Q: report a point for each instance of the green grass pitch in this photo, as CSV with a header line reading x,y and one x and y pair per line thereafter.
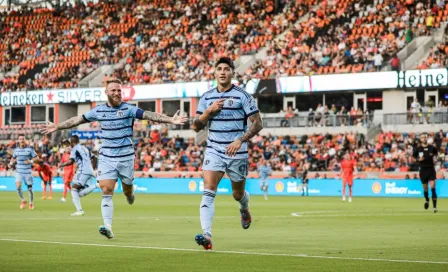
x,y
157,234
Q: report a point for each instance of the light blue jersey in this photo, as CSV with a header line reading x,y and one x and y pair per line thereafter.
x,y
264,171
117,129
231,122
21,155
81,155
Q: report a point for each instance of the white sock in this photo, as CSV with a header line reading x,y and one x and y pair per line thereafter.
x,y
86,191
266,193
75,198
20,193
244,202
207,210
107,209
30,191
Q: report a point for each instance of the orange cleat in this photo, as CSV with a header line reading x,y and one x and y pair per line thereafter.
x,y
23,204
204,240
31,207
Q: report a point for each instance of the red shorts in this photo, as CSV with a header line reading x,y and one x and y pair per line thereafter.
x,y
347,181
68,178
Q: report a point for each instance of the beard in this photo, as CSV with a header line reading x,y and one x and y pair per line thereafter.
x,y
114,102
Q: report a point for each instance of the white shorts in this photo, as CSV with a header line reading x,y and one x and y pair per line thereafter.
x,y
83,180
116,169
25,178
236,169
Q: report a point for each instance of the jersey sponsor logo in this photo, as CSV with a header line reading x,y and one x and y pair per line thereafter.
x,y
192,186
279,187
376,187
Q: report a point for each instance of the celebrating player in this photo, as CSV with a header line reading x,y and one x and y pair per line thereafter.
x,y
84,180
264,171
425,154
225,109
69,170
347,170
116,158
46,174
24,156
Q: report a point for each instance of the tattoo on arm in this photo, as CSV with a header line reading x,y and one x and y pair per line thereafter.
x,y
256,126
72,122
156,117
198,125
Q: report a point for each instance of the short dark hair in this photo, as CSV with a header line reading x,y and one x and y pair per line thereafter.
x,y
18,136
75,138
227,61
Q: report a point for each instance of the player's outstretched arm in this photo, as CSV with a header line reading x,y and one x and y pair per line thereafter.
x,y
67,163
254,128
162,118
70,123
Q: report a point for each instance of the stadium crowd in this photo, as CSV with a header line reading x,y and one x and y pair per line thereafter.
x,y
157,41
390,152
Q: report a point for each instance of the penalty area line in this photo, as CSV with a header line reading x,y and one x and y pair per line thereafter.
x,y
225,252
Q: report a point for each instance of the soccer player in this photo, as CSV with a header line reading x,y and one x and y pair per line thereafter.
x,y
305,179
69,171
348,167
46,174
24,156
116,156
425,154
225,109
264,171
84,180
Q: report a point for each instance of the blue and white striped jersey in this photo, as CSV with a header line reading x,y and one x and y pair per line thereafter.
x,y
82,157
21,155
117,126
231,122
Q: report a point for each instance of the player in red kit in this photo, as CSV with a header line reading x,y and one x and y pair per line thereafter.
x,y
69,171
46,174
348,167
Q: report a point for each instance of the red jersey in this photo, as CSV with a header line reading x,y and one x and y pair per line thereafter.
x,y
347,167
68,170
45,171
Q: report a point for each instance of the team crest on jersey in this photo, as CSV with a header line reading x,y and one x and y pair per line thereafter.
x,y
210,103
230,102
120,113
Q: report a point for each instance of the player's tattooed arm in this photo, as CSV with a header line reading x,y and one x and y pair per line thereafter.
x,y
200,122
257,126
70,123
162,118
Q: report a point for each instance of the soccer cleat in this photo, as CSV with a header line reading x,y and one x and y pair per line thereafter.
x,y
350,199
435,210
426,205
43,198
265,198
62,200
50,198
23,204
31,207
106,231
343,198
78,213
246,219
204,240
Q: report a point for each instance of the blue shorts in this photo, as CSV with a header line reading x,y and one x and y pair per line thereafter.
x,y
25,178
236,169
116,169
264,182
83,180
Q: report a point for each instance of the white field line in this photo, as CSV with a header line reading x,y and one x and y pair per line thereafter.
x,y
226,252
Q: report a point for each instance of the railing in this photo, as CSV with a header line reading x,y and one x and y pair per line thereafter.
x,y
415,118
